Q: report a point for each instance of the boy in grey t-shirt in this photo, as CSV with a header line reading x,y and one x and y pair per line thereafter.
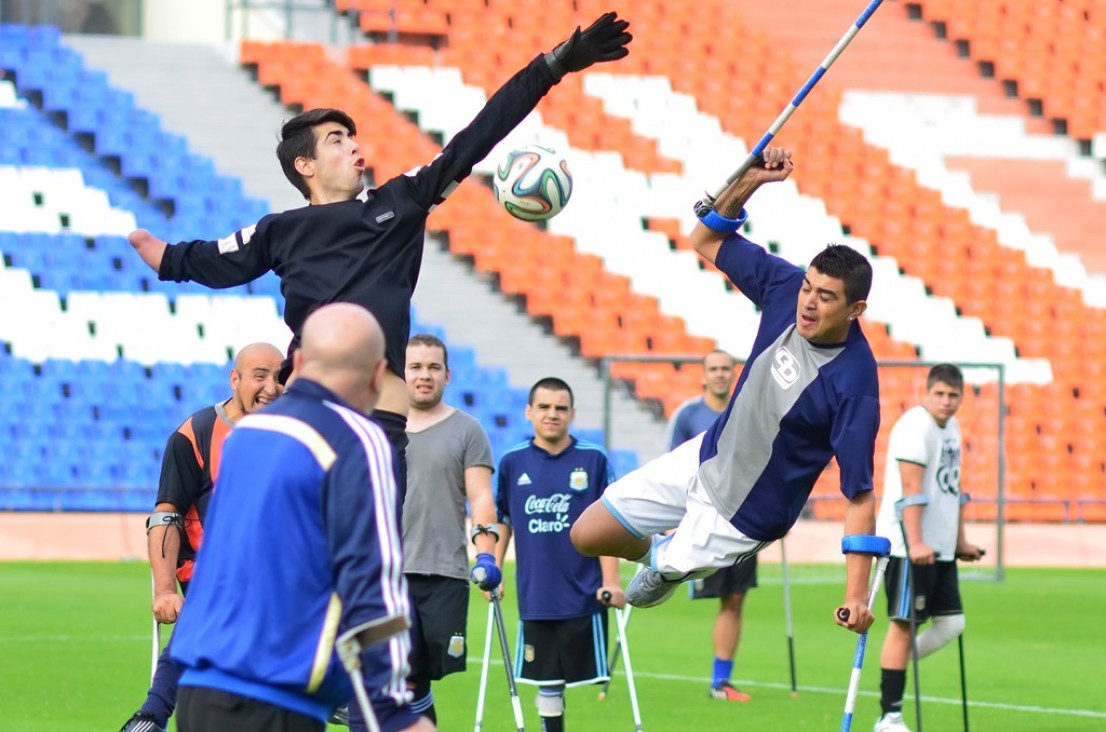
x,y
449,463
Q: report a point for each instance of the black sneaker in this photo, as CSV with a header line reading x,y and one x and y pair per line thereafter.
x,y
340,717
141,722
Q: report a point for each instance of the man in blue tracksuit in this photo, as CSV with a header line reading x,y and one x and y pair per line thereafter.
x,y
257,634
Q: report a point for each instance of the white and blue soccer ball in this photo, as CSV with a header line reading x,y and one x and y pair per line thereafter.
x,y
533,183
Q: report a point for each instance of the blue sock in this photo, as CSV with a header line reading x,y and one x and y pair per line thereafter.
x,y
722,671
162,697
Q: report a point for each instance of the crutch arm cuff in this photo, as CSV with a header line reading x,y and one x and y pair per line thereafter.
x,y
866,544
918,499
484,529
373,632
164,518
717,222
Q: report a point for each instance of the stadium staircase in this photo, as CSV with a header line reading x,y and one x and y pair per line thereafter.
x,y
211,102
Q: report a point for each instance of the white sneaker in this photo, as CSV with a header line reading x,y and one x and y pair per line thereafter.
x,y
891,722
649,588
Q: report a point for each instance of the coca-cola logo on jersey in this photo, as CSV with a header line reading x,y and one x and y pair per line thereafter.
x,y
556,503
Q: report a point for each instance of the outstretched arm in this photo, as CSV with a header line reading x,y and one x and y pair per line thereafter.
x,y
233,260
149,247
605,40
730,205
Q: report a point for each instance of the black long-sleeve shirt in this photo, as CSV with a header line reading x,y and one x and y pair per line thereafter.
x,y
365,252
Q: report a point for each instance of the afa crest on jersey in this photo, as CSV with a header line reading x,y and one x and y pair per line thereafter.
x,y
578,480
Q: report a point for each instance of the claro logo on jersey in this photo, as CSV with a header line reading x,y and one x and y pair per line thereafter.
x,y
547,515
785,368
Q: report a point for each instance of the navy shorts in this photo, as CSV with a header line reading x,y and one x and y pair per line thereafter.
x,y
936,590
572,652
734,580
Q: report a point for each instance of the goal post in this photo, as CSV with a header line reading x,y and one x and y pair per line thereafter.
x,y
666,381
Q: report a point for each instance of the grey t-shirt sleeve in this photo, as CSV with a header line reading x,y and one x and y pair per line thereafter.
x,y
478,450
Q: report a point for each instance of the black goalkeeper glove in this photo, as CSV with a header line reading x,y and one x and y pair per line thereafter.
x,y
604,40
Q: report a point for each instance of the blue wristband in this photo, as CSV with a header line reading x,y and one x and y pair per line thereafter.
x,y
717,222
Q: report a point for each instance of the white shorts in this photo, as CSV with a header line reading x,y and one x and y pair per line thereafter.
x,y
667,493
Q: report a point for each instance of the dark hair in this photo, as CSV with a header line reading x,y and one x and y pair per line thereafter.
x,y
553,384
426,339
297,140
849,266
945,373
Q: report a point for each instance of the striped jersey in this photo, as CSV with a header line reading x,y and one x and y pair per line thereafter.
x,y
367,251
189,469
797,404
541,495
301,546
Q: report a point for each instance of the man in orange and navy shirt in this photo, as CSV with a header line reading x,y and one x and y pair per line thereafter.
x,y
174,531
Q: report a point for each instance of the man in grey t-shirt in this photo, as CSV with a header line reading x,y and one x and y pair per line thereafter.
x,y
449,462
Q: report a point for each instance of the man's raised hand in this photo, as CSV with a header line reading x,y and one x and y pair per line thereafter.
x,y
604,40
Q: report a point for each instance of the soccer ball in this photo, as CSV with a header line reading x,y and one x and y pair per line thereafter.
x,y
533,183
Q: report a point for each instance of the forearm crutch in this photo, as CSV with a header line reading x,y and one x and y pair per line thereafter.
x,y
155,637
349,651
620,623
484,669
918,499
879,547
787,620
516,703
614,657
758,149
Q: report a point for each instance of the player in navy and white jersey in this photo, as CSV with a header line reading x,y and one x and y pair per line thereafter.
x,y
257,635
544,485
342,249
808,392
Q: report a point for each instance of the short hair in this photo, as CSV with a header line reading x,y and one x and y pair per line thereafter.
x,y
426,339
297,140
945,373
847,265
717,352
553,384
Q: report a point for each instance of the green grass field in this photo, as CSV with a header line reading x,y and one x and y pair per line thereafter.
x,y
74,655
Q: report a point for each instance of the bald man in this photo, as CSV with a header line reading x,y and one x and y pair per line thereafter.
x,y
189,467
314,474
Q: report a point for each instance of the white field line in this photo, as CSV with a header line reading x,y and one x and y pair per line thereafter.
x,y
476,660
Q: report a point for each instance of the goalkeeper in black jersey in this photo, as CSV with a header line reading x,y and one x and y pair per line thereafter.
x,y
341,248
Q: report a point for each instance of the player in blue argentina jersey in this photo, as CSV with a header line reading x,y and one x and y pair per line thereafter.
x,y
808,392
257,634
544,485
